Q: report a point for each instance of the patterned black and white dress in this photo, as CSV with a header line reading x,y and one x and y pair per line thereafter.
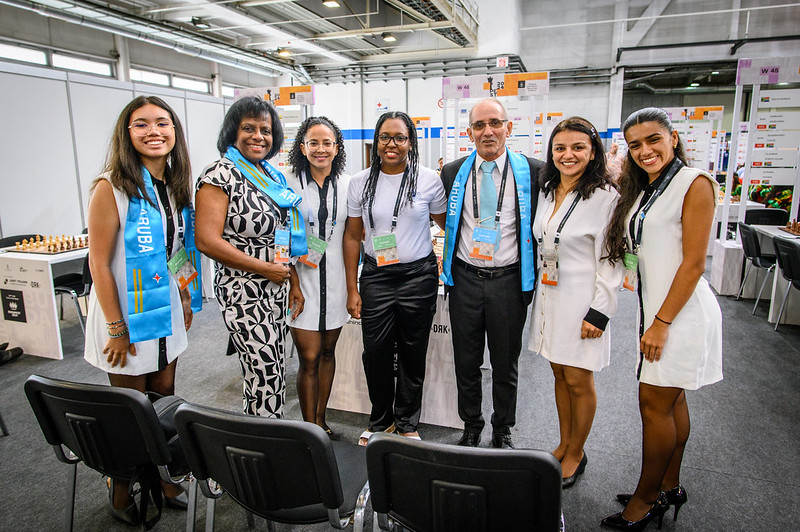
x,y
253,307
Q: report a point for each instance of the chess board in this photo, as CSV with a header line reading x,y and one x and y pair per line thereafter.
x,y
50,244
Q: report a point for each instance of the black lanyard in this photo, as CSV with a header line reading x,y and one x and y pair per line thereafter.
x,y
161,189
475,212
396,204
641,213
335,208
563,221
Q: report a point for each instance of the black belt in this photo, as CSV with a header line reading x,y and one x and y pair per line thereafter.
x,y
487,273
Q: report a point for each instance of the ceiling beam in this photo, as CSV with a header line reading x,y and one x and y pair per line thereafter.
x,y
376,31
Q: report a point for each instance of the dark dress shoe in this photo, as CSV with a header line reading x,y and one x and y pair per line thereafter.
x,y
129,515
10,355
501,440
569,481
469,438
179,502
3,346
675,497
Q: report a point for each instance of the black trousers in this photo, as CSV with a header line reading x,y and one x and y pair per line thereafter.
x,y
397,307
486,304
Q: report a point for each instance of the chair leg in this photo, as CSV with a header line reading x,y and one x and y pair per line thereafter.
x,y
763,283
191,511
72,477
361,506
741,287
210,510
3,427
81,319
783,306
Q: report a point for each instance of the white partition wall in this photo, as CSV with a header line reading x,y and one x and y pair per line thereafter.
x,y
57,129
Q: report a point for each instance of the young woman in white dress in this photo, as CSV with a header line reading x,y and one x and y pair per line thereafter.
x,y
317,159
577,291
660,229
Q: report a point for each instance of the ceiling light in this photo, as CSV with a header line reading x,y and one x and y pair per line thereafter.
x,y
199,23
330,3
694,85
388,37
284,52
715,73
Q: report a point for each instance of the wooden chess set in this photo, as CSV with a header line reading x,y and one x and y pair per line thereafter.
x,y
51,244
793,228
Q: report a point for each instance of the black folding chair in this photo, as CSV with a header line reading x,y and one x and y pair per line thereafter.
x,y
434,487
75,285
284,471
754,257
788,254
112,430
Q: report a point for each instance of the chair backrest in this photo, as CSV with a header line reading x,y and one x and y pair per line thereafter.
x,y
430,486
87,276
766,216
788,254
112,430
8,241
750,243
264,464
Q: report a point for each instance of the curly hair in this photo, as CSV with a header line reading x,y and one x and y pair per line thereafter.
x,y
634,179
124,166
299,162
371,183
594,176
249,107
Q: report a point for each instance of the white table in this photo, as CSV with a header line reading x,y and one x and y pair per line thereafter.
x,y
29,316
792,313
439,394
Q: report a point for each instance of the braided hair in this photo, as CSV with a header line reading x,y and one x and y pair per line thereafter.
x,y
410,187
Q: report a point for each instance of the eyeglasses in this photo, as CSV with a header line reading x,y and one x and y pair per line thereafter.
x,y
326,145
399,140
494,123
140,129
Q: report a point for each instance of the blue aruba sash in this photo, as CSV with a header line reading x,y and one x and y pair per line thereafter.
x,y
522,180
196,286
275,187
149,310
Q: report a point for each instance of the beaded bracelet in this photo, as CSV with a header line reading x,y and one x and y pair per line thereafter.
x,y
119,334
111,323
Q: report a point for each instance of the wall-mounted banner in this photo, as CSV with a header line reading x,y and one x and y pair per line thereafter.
x,y
768,70
295,95
494,85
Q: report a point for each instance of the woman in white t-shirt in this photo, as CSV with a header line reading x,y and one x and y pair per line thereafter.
x,y
389,206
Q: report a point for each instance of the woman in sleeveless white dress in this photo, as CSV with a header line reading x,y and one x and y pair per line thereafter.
x,y
661,227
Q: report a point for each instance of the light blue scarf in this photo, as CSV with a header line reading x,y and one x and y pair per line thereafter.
x,y
149,302
275,187
522,180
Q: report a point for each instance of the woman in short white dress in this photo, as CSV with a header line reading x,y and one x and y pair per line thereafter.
x,y
661,228
577,293
146,184
317,159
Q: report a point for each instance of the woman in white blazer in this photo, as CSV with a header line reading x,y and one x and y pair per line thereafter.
x,y
577,290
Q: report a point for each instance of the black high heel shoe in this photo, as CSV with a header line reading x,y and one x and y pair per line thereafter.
x,y
569,481
676,497
129,515
657,511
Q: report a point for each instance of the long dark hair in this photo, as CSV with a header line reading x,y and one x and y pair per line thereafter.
x,y
633,179
596,173
249,107
299,162
410,187
124,167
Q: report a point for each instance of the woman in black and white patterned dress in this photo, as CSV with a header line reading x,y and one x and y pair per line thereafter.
x,y
236,226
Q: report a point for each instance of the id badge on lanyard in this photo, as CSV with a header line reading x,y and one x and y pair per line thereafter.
x,y
282,246
483,243
631,279
316,249
550,266
181,268
385,249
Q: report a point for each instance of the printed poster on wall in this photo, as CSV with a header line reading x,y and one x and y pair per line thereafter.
x,y
293,95
496,85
